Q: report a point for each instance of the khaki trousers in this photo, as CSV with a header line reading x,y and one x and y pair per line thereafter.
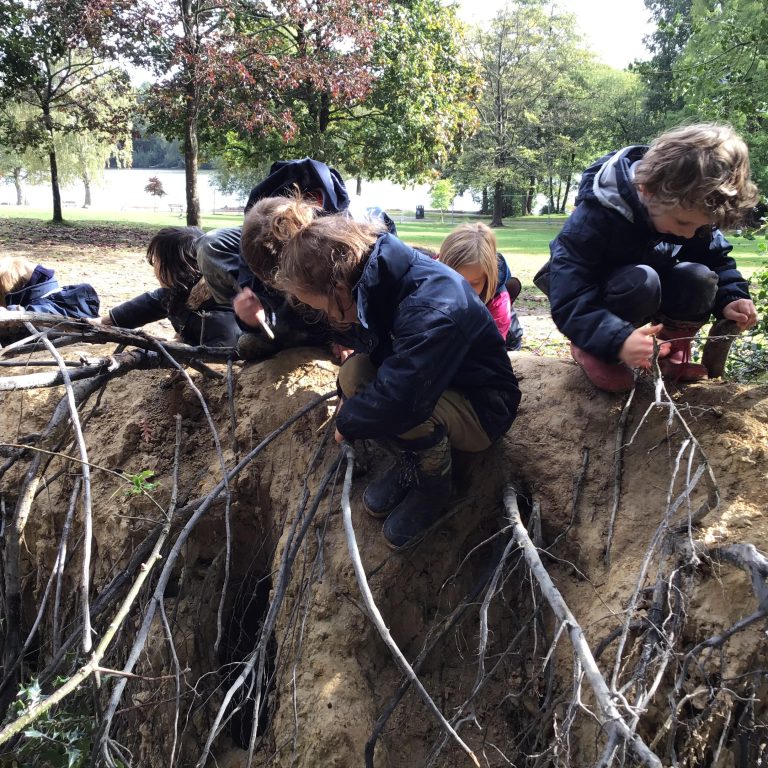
x,y
453,411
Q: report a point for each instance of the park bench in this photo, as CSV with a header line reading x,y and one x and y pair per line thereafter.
x,y
176,208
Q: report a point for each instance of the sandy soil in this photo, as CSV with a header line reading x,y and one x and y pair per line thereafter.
x,y
332,673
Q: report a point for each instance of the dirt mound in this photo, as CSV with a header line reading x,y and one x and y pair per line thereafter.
x,y
253,615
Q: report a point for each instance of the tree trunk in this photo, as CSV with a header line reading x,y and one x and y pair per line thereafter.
x,y
57,217
498,204
359,186
484,202
17,184
87,186
190,165
529,195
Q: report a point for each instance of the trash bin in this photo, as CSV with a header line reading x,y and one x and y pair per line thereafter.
x,y
419,211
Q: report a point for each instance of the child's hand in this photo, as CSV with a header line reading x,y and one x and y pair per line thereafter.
x,y
248,308
637,349
742,312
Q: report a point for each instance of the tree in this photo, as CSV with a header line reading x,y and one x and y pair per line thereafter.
x,y
18,165
521,57
442,194
53,51
722,73
393,102
154,187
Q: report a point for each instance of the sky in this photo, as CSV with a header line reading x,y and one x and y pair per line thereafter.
x,y
613,29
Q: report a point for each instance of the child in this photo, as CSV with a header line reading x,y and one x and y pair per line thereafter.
x,y
436,374
32,287
203,321
643,245
471,250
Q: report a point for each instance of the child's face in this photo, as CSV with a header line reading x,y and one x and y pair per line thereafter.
x,y
338,307
475,276
678,221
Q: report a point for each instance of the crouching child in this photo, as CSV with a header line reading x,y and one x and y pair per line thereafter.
x,y
435,374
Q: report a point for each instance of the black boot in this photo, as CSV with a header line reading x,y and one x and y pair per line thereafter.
x,y
721,336
426,501
386,492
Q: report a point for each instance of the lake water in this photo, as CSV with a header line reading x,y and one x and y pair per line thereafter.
x,y
123,189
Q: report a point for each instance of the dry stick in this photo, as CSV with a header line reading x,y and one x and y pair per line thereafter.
x,y
231,408
87,509
374,613
618,465
611,717
170,560
257,658
15,531
176,664
228,503
32,713
59,565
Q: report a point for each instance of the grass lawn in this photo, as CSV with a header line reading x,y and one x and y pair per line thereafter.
x,y
524,241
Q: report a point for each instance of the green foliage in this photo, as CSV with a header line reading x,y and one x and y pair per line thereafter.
x,y
442,194
60,738
140,483
748,360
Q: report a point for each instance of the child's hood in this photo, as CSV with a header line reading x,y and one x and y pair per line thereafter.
x,y
609,181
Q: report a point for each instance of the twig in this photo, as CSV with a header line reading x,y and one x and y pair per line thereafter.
x,y
611,717
374,613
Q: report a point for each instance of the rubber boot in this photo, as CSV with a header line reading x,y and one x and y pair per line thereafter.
x,y
610,377
677,364
718,345
386,492
427,499
255,346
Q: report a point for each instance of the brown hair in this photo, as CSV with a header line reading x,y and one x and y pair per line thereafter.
x,y
14,272
171,252
267,226
325,253
471,244
703,167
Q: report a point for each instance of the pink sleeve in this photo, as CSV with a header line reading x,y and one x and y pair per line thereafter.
x,y
499,307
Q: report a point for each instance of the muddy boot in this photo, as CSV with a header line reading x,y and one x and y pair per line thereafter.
x,y
426,501
677,364
610,377
718,345
386,492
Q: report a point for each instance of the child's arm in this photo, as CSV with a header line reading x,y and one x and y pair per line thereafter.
x,y
743,312
500,308
140,310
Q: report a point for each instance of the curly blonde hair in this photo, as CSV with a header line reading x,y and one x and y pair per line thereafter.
x,y
268,226
471,244
704,167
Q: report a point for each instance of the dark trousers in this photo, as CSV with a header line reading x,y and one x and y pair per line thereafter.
x,y
637,293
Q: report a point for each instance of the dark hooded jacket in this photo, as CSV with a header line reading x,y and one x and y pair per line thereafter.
x,y
429,332
610,228
41,293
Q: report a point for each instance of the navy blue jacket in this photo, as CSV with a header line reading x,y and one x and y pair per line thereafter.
x,y
429,332
609,228
211,325
41,293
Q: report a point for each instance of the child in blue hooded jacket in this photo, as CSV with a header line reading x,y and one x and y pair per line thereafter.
x,y
434,374
641,256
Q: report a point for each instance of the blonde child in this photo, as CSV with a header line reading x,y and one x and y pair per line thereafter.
x,y
471,250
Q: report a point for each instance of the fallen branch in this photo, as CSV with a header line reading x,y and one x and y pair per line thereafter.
x,y
611,717
374,613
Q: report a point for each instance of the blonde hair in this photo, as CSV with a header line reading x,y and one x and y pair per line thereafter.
x,y
702,167
326,252
471,244
14,272
267,227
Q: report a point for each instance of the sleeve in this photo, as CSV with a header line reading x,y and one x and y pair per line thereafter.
x,y
579,265
500,308
218,256
143,309
429,347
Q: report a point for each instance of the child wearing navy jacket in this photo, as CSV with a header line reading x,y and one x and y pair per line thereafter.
x,y
642,256
435,373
